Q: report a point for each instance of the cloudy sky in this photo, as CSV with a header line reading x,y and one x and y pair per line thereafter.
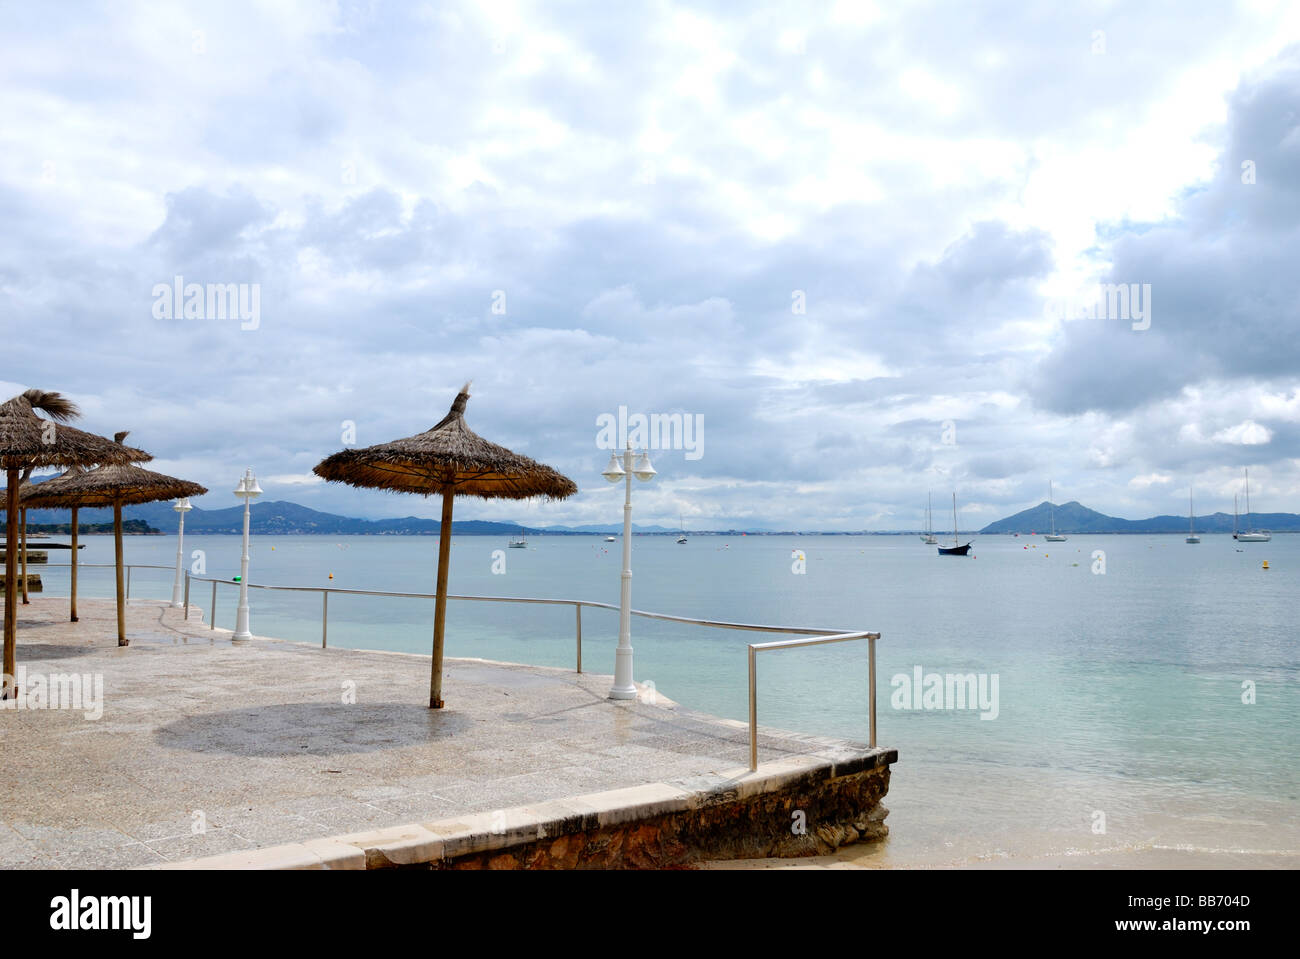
x,y
848,236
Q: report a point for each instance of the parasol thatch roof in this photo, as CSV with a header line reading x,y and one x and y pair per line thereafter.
x,y
123,483
26,488
28,441
450,455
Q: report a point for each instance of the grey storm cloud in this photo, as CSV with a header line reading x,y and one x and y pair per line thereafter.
x,y
820,230
1224,285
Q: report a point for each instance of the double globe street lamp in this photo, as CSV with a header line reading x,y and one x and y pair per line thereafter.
x,y
247,490
182,507
623,687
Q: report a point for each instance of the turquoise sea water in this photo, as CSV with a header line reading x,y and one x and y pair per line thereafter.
x,y
1119,693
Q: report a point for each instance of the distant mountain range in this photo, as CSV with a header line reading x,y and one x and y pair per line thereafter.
x,y
1074,517
291,519
283,518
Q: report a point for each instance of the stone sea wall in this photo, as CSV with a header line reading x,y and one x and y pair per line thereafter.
x,y
812,813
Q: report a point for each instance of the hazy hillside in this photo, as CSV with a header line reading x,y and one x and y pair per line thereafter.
x,y
291,519
1074,517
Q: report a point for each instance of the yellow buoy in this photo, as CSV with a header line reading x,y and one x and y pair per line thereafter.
x,y
1266,564
331,575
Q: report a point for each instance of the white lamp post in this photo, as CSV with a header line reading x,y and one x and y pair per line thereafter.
x,y
247,490
182,507
623,687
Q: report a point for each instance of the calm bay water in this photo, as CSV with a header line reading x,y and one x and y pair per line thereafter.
x,y
1119,693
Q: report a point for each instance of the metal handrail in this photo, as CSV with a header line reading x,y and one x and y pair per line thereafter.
x,y
755,648
326,590
819,636
579,603
126,566
722,624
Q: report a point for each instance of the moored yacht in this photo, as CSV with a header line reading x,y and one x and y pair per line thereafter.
x,y
954,549
1251,535
1053,536
1191,520
928,536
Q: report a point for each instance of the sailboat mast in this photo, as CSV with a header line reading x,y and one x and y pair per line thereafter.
x,y
1248,524
1191,513
955,541
1051,505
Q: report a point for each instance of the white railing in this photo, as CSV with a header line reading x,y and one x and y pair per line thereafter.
x,y
818,636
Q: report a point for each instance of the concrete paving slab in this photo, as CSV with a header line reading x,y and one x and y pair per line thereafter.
x,y
278,743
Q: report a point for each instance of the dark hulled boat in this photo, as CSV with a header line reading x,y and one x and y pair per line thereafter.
x,y
954,549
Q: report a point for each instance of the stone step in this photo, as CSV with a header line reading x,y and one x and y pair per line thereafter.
x,y
33,582
33,556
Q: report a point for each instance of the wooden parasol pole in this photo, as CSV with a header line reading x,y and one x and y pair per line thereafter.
x,y
440,604
121,592
23,512
11,582
72,609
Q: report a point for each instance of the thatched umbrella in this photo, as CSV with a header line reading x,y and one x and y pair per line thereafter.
x,y
453,460
23,487
113,485
28,442
25,490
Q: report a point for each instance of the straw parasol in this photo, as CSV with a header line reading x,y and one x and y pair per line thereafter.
x,y
28,442
23,487
115,485
453,460
25,490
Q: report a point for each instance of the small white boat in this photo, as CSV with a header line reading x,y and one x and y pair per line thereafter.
x,y
1251,535
928,536
519,543
682,539
1053,536
611,539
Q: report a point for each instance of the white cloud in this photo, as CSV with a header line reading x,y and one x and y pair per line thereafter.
x,y
1248,433
1150,479
294,479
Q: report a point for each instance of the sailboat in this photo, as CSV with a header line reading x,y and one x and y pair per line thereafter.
x,y
928,537
954,549
1251,535
519,543
681,539
1052,537
1191,520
